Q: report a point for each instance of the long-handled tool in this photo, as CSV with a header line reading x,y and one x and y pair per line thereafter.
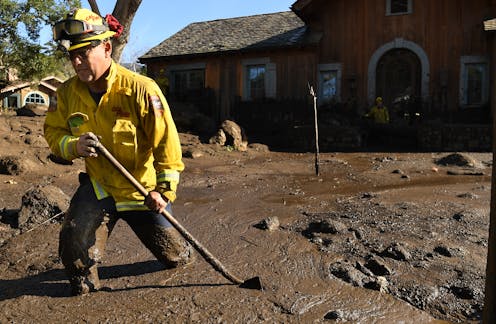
x,y
252,283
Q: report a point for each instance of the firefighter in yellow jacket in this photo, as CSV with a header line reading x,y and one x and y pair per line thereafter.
x,y
379,113
129,115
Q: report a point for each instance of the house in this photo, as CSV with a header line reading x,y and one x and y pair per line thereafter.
x,y
19,93
428,60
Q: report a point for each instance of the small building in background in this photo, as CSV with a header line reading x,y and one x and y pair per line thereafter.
x,y
21,93
429,61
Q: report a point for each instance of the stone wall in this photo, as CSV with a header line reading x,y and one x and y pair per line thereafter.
x,y
454,137
427,137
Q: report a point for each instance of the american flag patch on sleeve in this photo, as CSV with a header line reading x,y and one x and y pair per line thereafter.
x,y
156,103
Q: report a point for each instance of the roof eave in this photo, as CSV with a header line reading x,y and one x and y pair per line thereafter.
x,y
144,60
298,8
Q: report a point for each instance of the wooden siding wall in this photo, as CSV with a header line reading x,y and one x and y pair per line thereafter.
x,y
353,30
295,68
444,29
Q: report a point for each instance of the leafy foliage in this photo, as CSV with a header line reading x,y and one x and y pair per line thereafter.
x,y
21,23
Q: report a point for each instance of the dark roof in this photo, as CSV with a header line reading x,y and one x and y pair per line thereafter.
x,y
280,29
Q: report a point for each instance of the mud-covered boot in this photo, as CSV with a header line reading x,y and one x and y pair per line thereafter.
x,y
81,286
78,286
84,284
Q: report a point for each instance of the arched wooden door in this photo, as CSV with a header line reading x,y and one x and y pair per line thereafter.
x,y
398,74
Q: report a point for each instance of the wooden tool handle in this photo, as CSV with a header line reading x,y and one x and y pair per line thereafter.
x,y
214,262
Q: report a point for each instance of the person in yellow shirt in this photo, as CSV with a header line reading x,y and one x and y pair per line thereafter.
x,y
379,113
129,115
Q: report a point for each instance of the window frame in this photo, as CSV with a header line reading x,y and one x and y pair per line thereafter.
x,y
408,12
39,95
465,61
14,97
259,69
184,68
322,68
269,78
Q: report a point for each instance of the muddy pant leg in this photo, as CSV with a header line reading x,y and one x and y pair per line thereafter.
x,y
158,235
83,236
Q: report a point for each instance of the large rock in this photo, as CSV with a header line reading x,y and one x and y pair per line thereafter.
x,y
458,159
40,204
32,110
15,165
230,134
219,138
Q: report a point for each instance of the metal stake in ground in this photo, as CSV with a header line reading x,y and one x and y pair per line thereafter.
x,y
252,283
312,93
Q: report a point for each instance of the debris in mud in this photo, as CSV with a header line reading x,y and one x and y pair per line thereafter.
x,y
39,204
386,263
443,250
31,110
368,195
16,165
329,226
466,216
348,273
11,165
396,251
465,172
7,230
193,153
259,147
270,224
35,141
334,315
386,159
468,195
378,283
378,266
458,159
463,292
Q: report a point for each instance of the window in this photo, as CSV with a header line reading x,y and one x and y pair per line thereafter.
x,y
259,79
186,82
256,81
398,7
329,82
35,98
474,81
12,101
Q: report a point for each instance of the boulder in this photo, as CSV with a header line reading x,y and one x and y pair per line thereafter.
x,y
31,110
219,138
40,204
235,135
457,159
230,134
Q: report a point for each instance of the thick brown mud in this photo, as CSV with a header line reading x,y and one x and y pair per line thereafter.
x,y
376,238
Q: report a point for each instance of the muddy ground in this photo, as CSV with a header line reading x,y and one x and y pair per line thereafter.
x,y
378,237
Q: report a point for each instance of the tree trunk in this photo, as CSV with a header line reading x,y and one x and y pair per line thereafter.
x,y
124,11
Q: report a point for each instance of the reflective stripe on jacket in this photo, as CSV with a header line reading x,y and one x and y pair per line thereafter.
x,y
134,123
